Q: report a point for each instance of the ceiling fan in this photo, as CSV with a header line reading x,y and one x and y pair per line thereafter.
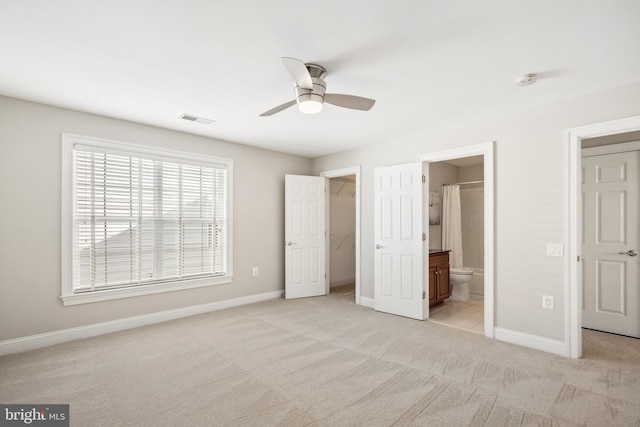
x,y
310,90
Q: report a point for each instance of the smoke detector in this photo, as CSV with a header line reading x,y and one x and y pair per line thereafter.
x,y
526,80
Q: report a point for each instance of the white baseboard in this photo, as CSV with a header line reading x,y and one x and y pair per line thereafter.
x,y
47,339
532,341
367,302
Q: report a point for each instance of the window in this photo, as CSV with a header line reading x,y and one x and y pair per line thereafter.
x,y
138,220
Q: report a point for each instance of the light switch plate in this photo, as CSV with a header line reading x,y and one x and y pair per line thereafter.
x,y
555,249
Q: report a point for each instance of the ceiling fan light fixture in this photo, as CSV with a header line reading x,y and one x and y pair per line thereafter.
x,y
310,106
310,100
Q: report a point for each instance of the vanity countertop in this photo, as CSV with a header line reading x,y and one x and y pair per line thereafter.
x,y
438,251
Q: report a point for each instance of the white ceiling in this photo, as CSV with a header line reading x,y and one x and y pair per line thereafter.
x,y
426,62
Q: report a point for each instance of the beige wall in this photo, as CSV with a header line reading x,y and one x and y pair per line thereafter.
x,y
472,215
30,217
471,173
440,173
530,172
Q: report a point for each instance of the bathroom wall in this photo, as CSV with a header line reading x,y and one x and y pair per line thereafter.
x,y
472,215
440,173
342,231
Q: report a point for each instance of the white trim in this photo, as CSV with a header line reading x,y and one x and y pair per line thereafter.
x,y
354,170
68,296
33,342
532,341
573,226
486,150
134,291
119,146
367,302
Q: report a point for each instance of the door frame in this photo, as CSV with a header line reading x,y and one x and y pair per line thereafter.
x,y
486,150
573,223
336,173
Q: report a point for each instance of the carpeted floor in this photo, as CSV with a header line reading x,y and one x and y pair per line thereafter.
x,y
324,362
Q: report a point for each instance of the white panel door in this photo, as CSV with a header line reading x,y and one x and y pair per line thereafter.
x,y
611,298
398,259
305,274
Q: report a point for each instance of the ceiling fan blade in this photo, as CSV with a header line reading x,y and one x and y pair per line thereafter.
x,y
349,101
299,72
278,108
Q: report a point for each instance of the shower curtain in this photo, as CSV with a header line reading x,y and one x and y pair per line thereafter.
x,y
452,224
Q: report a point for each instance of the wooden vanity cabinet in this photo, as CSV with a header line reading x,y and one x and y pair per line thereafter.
x,y
439,286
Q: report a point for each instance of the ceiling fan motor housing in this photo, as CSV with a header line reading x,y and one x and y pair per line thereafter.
x,y
316,94
311,100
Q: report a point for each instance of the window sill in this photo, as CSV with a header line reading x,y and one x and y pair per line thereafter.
x,y
110,294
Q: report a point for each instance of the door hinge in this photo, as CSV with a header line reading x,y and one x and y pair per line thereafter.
x,y
424,237
424,179
424,295
578,258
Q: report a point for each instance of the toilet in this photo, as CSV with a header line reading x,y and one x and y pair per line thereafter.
x,y
460,278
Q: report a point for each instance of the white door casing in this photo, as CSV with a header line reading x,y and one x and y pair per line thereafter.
x,y
485,150
399,253
574,139
611,294
305,236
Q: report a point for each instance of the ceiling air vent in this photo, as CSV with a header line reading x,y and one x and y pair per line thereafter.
x,y
196,119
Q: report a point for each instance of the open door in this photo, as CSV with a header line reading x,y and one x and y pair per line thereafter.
x,y
305,236
399,252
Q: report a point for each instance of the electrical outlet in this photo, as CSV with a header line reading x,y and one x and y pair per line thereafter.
x,y
255,271
547,302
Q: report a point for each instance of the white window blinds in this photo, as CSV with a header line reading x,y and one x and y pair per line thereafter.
x,y
141,219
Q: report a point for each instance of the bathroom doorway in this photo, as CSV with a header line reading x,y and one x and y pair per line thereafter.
x,y
477,181
464,178
343,233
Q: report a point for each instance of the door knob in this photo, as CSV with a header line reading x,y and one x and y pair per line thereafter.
x,y
289,243
379,246
630,252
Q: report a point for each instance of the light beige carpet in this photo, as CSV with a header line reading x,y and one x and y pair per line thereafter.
x,y
327,362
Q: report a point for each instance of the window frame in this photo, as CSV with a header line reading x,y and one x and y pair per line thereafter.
x,y
68,296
